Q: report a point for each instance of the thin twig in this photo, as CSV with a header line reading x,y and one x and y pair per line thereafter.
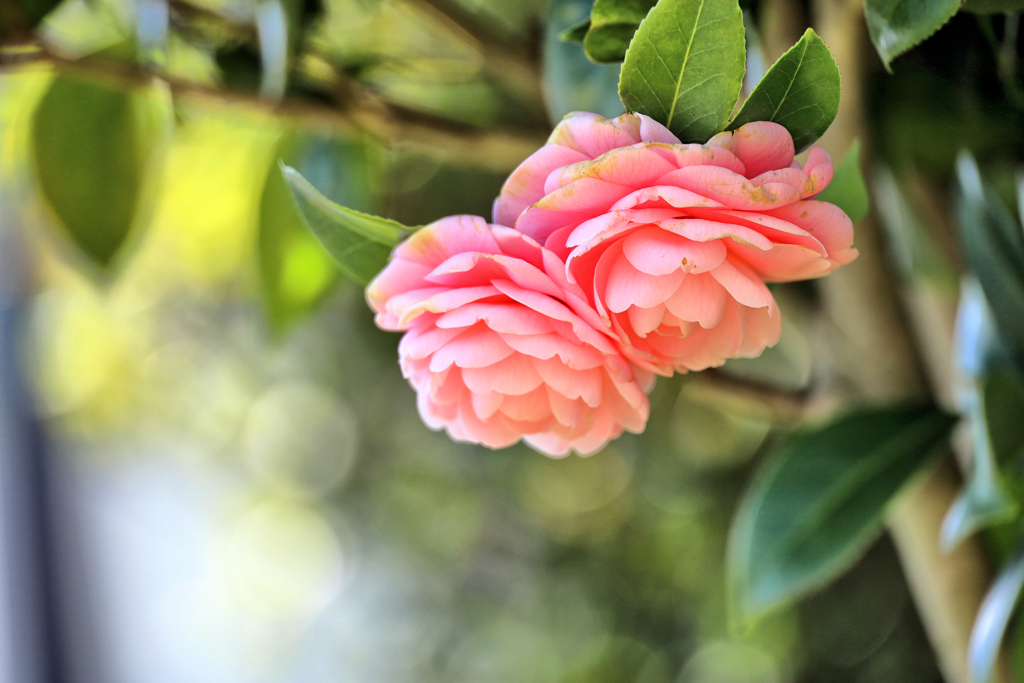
x,y
362,109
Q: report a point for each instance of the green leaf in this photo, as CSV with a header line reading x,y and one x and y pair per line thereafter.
x,y
612,25
997,435
993,618
296,272
359,242
994,246
93,146
685,66
800,91
896,26
575,33
847,189
819,501
571,81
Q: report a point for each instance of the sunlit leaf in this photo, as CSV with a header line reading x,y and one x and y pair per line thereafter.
x,y
685,66
93,144
571,81
800,91
993,618
994,246
296,271
847,189
896,26
359,242
612,25
819,502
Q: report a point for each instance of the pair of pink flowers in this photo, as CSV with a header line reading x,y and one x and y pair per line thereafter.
x,y
630,255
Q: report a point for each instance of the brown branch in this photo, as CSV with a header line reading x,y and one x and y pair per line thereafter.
x,y
498,150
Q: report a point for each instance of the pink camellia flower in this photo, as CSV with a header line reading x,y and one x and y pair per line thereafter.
x,y
500,346
674,243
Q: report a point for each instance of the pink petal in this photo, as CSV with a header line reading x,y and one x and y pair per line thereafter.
x,y
513,318
645,320
488,267
762,146
658,252
477,347
664,196
439,241
652,131
526,184
783,262
585,384
627,287
531,407
635,166
568,411
593,135
827,223
418,344
486,405
703,230
743,284
440,302
512,376
573,203
729,188
699,299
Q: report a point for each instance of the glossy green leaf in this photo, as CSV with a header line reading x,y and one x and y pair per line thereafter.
x,y
994,246
296,272
359,242
572,82
612,25
800,91
847,189
93,145
896,26
575,33
685,66
819,502
993,618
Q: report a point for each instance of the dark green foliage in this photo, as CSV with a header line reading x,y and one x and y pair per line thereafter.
x,y
819,502
685,66
800,91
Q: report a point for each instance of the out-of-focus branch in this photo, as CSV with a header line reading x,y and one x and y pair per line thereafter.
x,y
361,108
882,363
514,67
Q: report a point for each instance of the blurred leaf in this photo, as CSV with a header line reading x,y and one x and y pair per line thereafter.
x,y
152,18
359,242
993,6
612,25
571,81
92,145
997,434
994,248
800,91
847,189
818,503
685,66
993,618
896,26
575,33
296,271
